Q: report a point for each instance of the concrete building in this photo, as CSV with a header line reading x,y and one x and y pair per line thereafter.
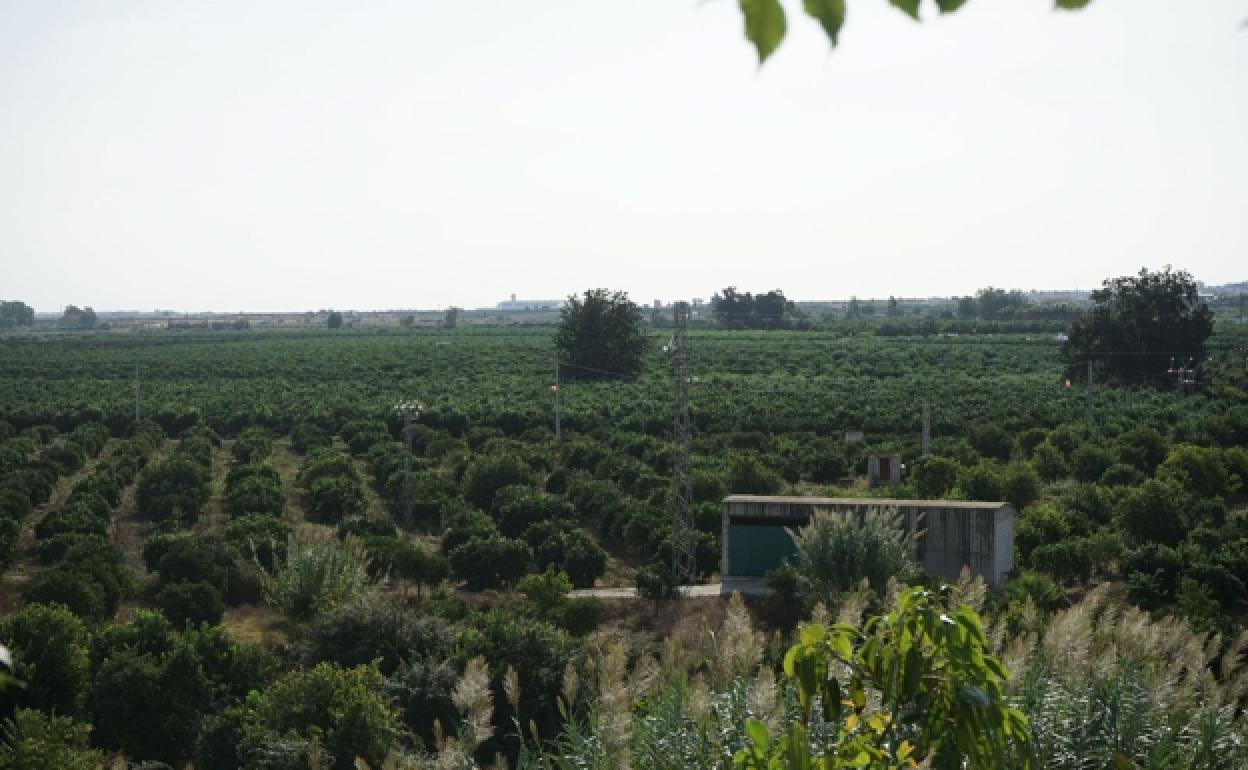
x,y
952,533
884,470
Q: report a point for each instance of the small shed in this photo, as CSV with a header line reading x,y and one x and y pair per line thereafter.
x,y
884,470
953,533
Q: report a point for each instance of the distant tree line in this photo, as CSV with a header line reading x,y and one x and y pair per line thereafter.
x,y
76,317
734,310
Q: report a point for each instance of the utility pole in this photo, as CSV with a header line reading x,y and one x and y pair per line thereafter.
x,y
1090,404
137,389
683,549
927,428
558,406
409,410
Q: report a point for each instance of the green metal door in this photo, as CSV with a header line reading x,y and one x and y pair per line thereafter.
x,y
753,549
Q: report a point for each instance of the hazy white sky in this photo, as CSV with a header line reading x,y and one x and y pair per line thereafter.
x,y
305,154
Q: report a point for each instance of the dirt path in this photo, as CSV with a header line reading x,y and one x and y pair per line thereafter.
x,y
129,531
214,517
25,564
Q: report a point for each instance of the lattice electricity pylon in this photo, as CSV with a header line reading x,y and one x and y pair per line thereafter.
x,y
409,410
683,549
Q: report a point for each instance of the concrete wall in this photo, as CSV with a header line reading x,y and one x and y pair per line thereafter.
x,y
952,534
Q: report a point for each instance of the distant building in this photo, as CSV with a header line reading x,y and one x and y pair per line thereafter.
x,y
514,304
951,534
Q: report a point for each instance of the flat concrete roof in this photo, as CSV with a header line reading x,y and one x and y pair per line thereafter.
x,y
880,501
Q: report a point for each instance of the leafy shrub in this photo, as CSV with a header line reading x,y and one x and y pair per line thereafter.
x,y
1154,513
655,582
84,598
1049,461
1067,561
1039,525
263,537
318,573
150,707
837,551
489,473
174,490
467,525
158,545
66,457
191,602
1090,461
569,550
254,494
935,476
362,527
1038,587
330,498
748,475
325,463
580,617
252,446
516,508
345,708
197,559
407,560
1121,475
361,435
49,648
375,628
1201,471
73,519
305,436
422,690
90,580
1142,447
490,562
991,441
825,465
1020,484
31,740
14,505
981,481
54,548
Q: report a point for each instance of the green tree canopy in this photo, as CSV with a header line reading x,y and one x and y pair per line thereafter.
x,y
1138,324
14,313
75,317
600,334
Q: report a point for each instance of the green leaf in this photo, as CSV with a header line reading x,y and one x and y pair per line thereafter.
x,y
812,633
911,7
757,732
764,25
829,13
949,6
1073,5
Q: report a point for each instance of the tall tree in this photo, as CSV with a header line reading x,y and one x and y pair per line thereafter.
x,y
600,334
75,317
1137,323
14,313
334,321
451,319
